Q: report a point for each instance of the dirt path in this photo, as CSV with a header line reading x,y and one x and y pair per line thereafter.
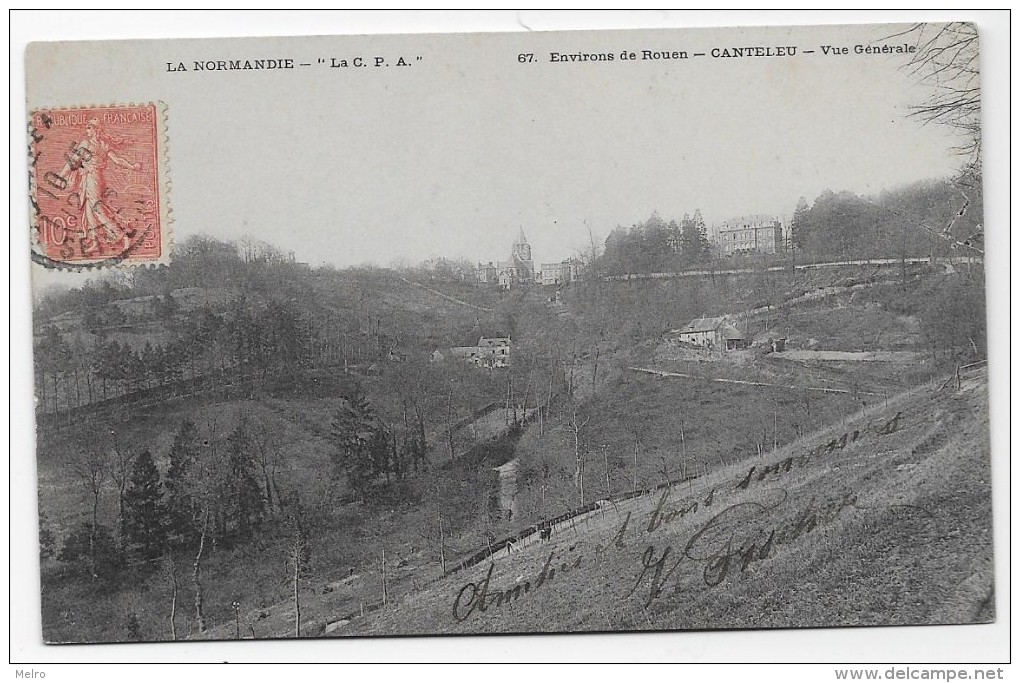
x,y
862,356
447,296
827,390
945,262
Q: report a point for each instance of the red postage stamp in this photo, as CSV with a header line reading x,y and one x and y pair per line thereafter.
x,y
97,184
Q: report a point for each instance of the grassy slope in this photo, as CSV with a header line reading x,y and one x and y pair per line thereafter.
x,y
300,423
722,424
914,546
420,320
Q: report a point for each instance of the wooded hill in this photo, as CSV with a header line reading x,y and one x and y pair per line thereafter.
x,y
236,424
929,218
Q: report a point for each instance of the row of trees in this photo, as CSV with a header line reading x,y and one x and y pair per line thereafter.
x,y
260,339
441,269
365,447
656,245
247,265
216,490
80,374
92,546
225,488
928,218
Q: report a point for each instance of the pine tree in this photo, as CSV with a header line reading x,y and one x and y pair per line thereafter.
x,y
352,432
246,504
690,241
675,240
699,225
180,502
145,523
800,226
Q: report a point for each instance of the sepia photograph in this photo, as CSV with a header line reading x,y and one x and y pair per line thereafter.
x,y
490,333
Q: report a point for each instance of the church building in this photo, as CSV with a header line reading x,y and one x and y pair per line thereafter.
x,y
519,269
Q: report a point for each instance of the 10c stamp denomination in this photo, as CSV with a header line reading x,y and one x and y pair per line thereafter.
x,y
98,195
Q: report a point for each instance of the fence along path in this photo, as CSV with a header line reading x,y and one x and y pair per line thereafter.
x,y
828,390
560,522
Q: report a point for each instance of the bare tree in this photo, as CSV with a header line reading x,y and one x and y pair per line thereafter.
x,y
171,570
120,471
415,382
299,553
576,427
450,422
664,469
946,60
196,575
92,468
265,456
442,540
433,533
205,478
605,463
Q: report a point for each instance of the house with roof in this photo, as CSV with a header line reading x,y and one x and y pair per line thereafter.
x,y
712,333
494,352
491,352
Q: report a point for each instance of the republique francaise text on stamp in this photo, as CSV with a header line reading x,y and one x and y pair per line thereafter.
x,y
97,186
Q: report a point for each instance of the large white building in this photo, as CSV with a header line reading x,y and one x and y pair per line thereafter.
x,y
561,273
750,234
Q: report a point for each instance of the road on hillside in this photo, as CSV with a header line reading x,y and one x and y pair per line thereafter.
x,y
446,296
827,390
944,261
852,356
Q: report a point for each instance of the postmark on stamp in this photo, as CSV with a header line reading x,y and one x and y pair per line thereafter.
x,y
98,189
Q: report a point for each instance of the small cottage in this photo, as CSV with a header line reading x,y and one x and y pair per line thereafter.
x,y
491,352
712,333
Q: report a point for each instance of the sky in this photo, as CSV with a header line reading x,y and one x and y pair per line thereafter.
x,y
453,154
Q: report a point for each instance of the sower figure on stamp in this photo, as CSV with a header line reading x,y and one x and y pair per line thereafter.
x,y
87,162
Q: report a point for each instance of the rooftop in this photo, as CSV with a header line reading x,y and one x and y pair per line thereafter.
x,y
703,325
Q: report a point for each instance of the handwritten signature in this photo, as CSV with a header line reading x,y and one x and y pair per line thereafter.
x,y
729,543
734,539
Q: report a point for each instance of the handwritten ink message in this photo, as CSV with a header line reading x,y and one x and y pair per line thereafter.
x,y
735,538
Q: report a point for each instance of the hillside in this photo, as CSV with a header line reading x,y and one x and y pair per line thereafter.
x,y
883,519
344,325
269,364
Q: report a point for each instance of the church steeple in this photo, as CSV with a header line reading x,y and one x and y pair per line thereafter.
x,y
521,249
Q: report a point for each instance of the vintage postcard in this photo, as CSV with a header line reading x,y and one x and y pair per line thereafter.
x,y
554,332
